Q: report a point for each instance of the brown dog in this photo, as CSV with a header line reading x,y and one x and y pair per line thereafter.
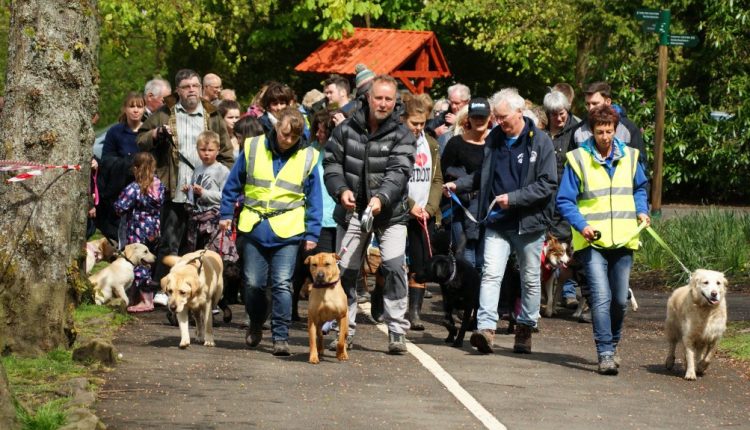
x,y
194,283
327,302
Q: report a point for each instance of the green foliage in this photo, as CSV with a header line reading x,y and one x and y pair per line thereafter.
x,y
714,239
49,416
736,341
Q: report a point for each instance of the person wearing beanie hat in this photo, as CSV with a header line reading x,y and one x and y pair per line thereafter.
x,y
363,78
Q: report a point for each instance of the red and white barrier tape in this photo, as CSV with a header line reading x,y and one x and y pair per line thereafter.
x,y
31,169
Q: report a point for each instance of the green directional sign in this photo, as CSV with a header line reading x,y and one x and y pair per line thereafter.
x,y
688,40
647,14
650,26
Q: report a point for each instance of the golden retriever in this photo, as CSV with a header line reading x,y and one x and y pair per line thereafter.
x,y
99,250
194,283
327,301
118,276
697,318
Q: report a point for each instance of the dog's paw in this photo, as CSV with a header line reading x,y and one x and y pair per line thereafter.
x,y
209,343
184,344
690,376
344,356
314,359
457,344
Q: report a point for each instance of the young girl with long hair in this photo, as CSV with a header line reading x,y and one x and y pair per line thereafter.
x,y
139,207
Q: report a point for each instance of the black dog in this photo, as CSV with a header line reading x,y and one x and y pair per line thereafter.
x,y
459,283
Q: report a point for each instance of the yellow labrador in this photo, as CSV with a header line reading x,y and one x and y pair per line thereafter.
x,y
115,278
697,318
194,283
99,250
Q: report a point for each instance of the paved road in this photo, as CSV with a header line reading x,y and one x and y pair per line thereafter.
x,y
231,387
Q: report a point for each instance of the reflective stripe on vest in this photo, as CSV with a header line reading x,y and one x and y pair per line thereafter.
x,y
606,203
279,198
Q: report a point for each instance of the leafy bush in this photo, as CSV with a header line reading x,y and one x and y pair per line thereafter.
x,y
715,239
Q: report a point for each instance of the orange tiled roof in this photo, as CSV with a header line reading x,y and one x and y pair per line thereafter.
x,y
401,53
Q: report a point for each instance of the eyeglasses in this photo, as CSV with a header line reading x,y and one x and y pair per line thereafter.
x,y
188,86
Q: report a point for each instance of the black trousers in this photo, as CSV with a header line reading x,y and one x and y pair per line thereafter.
x,y
419,249
174,221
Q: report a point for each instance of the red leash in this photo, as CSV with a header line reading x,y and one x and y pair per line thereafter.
x,y
423,223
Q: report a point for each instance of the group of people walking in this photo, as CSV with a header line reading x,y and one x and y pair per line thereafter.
x,y
338,173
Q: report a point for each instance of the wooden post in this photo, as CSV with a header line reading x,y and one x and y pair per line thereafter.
x,y
661,89
661,95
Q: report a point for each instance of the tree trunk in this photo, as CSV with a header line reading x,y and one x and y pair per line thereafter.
x,y
7,411
51,95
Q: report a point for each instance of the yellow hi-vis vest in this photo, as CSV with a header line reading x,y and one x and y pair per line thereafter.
x,y
280,199
606,203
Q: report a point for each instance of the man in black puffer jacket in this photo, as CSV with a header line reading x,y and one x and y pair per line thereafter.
x,y
368,161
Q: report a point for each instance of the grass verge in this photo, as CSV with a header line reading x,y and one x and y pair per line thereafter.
x,y
736,341
39,384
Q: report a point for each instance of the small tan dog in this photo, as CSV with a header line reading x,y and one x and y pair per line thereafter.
x,y
194,283
115,278
99,250
697,318
327,302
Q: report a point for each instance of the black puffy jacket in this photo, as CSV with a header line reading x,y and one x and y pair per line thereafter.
x,y
385,158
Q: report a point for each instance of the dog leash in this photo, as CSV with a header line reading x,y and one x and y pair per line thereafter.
x,y
423,223
656,238
664,245
491,214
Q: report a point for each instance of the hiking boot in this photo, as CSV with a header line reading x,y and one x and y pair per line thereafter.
x,y
281,348
254,334
522,342
396,343
571,303
335,342
482,340
416,296
607,365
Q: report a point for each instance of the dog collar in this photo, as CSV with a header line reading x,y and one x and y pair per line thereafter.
x,y
121,254
326,284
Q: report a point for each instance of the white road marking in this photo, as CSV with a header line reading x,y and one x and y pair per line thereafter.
x,y
429,363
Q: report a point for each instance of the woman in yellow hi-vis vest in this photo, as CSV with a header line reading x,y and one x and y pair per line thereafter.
x,y
602,195
276,175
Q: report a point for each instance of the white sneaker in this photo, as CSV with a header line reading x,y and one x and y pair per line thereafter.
x,y
215,311
161,299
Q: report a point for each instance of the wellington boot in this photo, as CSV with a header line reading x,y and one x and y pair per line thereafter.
x,y
416,297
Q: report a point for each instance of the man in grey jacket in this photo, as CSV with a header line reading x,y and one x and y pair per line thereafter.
x,y
516,184
368,161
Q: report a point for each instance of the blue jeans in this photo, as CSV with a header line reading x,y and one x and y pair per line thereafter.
x,y
608,273
257,264
497,249
569,289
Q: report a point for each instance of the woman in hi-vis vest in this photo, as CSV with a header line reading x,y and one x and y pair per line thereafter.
x,y
277,175
602,195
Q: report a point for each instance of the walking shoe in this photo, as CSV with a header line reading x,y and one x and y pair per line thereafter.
x,y
585,317
482,340
607,365
427,294
522,342
571,303
396,343
335,342
254,334
161,299
281,348
617,358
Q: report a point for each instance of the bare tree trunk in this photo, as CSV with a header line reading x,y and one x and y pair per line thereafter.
x,y
51,95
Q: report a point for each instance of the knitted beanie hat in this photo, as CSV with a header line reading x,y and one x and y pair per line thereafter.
x,y
364,75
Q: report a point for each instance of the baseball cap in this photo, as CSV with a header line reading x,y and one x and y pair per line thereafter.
x,y
479,106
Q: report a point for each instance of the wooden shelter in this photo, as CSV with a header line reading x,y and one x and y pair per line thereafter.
x,y
414,57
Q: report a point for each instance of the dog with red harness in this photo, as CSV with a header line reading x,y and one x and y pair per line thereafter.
x,y
556,258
